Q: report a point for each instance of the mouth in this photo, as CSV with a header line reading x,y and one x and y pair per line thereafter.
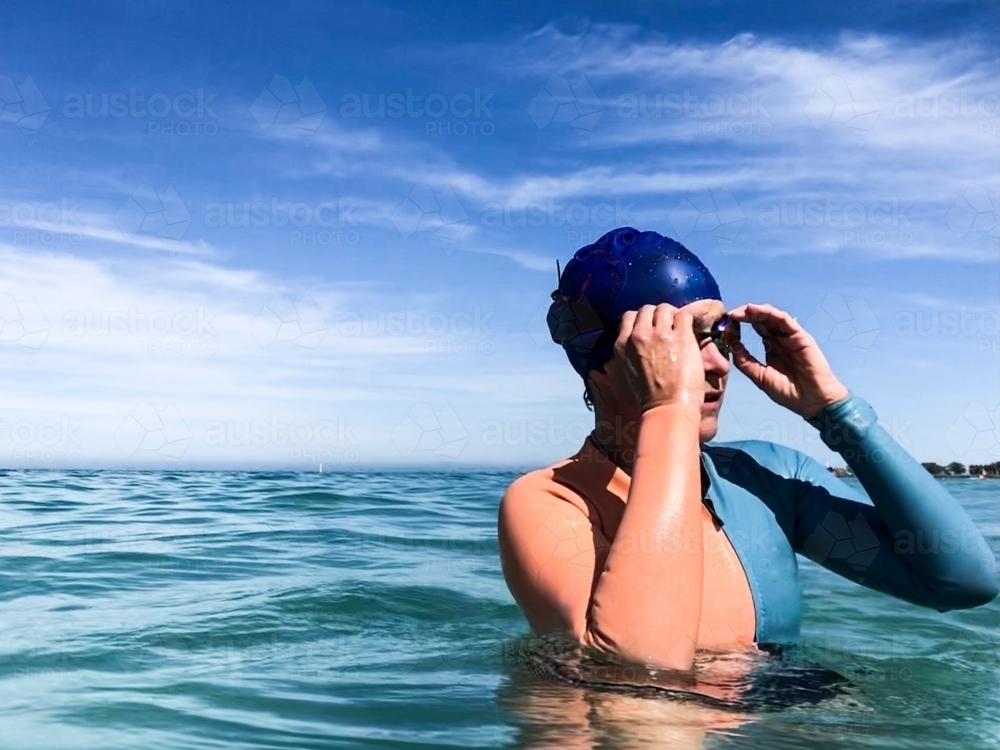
x,y
713,397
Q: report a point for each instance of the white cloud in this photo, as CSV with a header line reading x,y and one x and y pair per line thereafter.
x,y
925,154
177,337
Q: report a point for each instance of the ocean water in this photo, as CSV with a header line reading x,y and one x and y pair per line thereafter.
x,y
264,610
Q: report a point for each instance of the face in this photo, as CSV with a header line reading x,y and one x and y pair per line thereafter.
x,y
705,313
716,366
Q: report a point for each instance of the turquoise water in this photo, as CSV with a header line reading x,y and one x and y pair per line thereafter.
x,y
208,610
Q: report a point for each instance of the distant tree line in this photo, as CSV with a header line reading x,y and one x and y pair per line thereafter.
x,y
990,470
955,469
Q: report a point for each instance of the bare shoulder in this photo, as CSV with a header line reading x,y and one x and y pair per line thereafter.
x,y
535,492
527,491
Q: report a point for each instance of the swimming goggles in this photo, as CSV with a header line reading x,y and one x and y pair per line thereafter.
x,y
724,333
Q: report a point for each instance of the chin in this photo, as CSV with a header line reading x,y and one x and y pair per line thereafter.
x,y
708,429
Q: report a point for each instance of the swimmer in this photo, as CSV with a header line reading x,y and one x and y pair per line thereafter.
x,y
652,542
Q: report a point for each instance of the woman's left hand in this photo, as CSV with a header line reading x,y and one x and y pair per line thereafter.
x,y
795,373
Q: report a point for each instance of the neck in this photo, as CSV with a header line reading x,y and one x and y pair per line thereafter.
x,y
617,435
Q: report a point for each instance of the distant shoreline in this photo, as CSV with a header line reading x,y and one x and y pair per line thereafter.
x,y
845,473
966,476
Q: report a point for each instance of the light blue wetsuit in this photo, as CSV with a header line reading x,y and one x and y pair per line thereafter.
x,y
911,539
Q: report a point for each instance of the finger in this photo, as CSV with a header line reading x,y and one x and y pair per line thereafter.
x,y
788,323
768,328
663,316
762,329
739,314
683,322
749,313
625,329
776,321
775,340
748,364
644,320
788,342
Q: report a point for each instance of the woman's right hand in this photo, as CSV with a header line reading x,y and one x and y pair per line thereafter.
x,y
660,356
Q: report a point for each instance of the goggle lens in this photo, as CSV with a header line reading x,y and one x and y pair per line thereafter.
x,y
725,332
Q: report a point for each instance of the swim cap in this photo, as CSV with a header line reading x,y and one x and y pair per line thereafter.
x,y
622,271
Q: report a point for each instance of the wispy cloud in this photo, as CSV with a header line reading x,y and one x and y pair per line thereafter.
x,y
866,121
798,170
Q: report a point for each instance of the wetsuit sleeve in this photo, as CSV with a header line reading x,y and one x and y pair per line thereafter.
x,y
914,541
638,597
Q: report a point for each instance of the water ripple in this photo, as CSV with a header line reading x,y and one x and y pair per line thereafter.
x,y
279,610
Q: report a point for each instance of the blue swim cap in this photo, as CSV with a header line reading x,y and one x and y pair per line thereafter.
x,y
622,271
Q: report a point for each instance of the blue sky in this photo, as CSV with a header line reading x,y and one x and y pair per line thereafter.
x,y
256,237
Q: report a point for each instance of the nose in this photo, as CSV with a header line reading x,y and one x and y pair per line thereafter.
x,y
713,361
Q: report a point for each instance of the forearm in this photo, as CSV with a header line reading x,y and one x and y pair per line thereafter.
x,y
930,530
647,604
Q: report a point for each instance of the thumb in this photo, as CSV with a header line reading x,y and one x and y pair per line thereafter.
x,y
748,364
